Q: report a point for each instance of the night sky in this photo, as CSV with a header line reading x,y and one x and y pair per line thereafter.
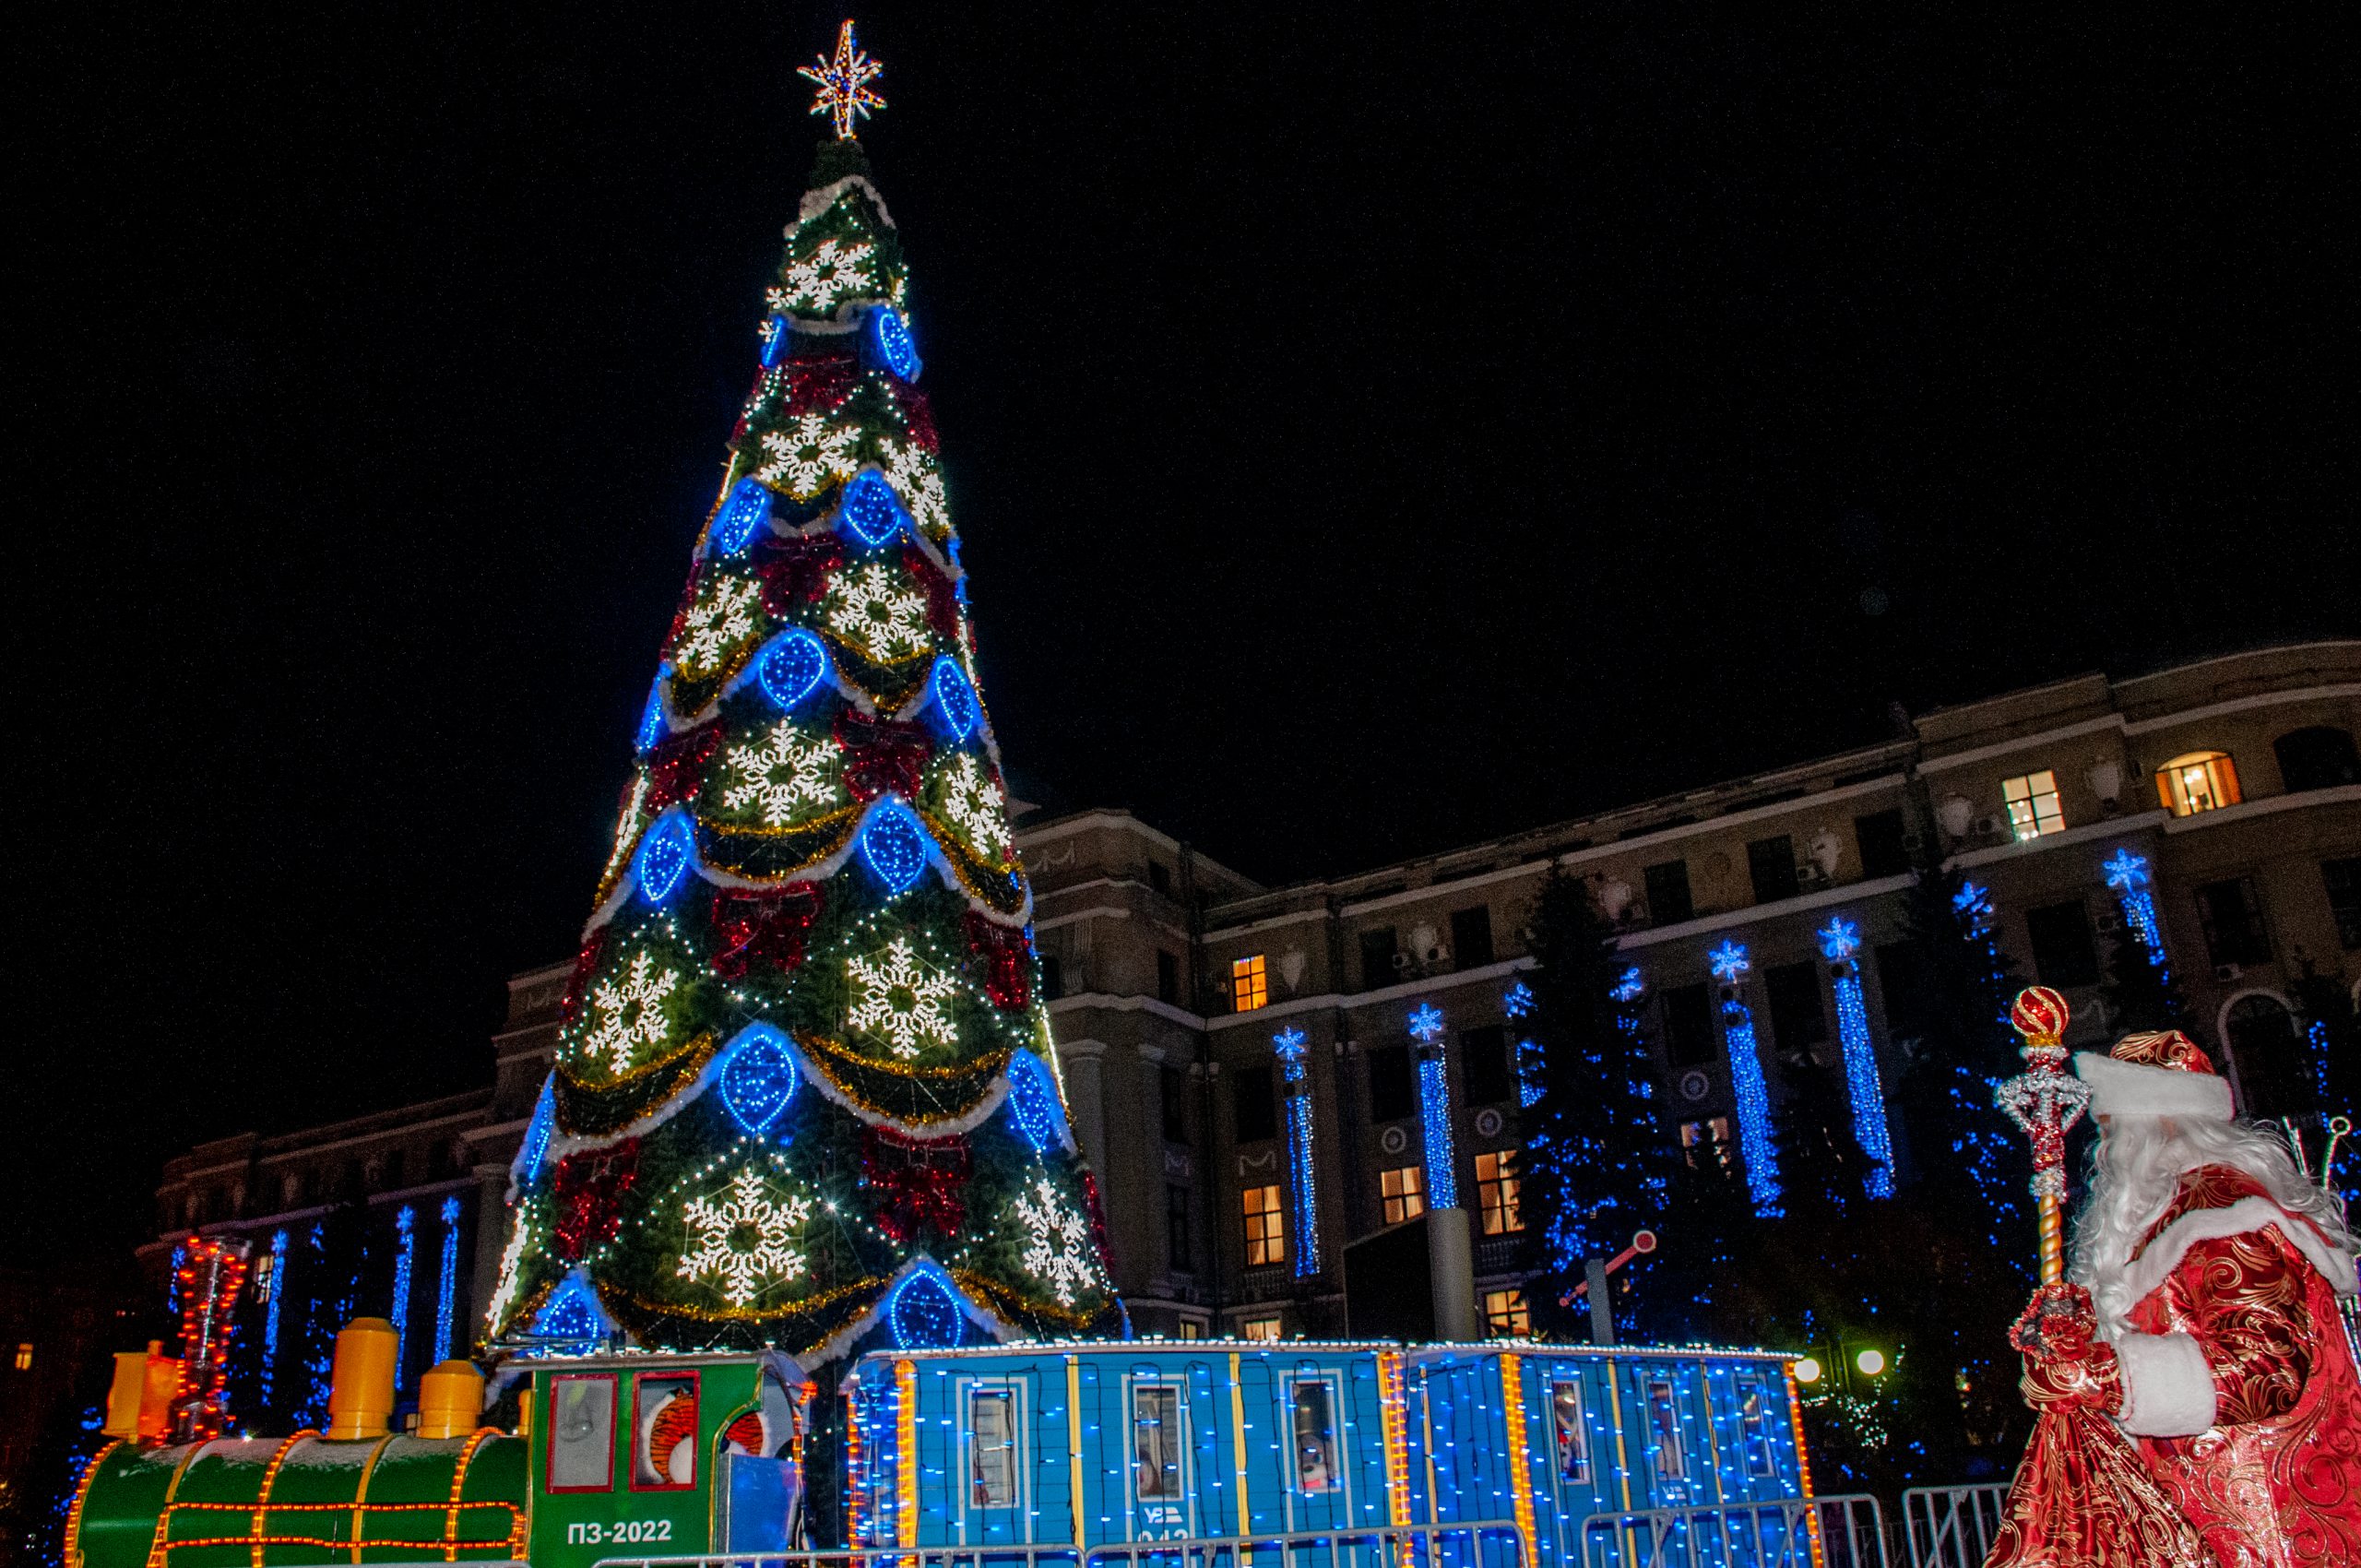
x,y
1368,434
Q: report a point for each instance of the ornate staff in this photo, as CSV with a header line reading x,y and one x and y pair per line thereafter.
x,y
2044,1100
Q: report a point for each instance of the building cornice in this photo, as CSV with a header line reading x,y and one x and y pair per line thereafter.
x,y
2243,705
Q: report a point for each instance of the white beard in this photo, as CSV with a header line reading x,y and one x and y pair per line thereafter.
x,y
2136,1170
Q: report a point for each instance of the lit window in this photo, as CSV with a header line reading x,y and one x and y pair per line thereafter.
x,y
1504,1313
1664,1435
2033,805
1712,1136
1156,1443
1259,1328
1405,1191
1496,1192
1754,1427
24,1357
1566,1423
1249,984
2196,781
992,1427
1191,1329
1315,1439
1266,1237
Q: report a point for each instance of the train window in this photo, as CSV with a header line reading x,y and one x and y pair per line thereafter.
x,y
664,1432
1754,1427
1566,1420
1664,1420
582,1433
1156,1443
991,1426
1315,1439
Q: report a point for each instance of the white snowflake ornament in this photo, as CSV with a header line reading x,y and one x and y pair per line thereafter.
x,y
901,999
626,1012
873,610
918,481
725,611
788,775
1057,1247
833,271
808,455
741,1238
977,805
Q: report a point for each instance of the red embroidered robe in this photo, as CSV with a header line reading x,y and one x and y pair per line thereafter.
x,y
2239,1385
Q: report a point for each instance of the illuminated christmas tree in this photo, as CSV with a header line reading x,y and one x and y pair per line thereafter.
x,y
804,1094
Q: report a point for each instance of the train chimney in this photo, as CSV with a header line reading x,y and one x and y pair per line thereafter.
x,y
361,1382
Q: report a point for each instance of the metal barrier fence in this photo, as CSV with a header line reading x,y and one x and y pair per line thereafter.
x,y
1843,1531
1952,1527
1490,1543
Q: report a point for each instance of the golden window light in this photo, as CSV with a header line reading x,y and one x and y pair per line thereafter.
x,y
1504,1313
1267,1240
1405,1192
1249,984
2196,781
2034,808
1497,1187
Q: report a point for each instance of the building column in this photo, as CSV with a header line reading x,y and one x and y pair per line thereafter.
x,y
491,1239
1082,1061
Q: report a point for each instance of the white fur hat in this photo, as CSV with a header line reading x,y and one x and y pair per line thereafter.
x,y
2163,1073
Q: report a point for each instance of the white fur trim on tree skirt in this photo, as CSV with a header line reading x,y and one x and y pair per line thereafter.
x,y
2162,1255
2167,1387
2126,1088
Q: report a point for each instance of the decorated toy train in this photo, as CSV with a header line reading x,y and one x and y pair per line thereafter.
x,y
1092,1447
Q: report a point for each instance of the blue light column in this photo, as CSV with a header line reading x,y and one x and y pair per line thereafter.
x,y
1289,1044
270,1311
405,1252
447,1285
1434,1107
1753,1096
2128,874
1839,940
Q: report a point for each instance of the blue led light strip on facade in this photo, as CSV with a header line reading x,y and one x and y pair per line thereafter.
x,y
270,1312
406,1247
1746,1086
2128,874
1839,940
445,1285
1289,1046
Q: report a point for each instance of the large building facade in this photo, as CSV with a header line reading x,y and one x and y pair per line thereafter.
x,y
1260,1076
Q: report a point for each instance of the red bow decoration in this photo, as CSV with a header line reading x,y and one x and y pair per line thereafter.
x,y
676,767
589,1189
584,964
918,418
763,926
942,599
880,754
795,571
1006,959
918,1181
818,386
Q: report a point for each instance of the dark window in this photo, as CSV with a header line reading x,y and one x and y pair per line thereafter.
x,y
2271,1058
1176,1252
1771,863
1053,980
1484,1064
1880,837
1471,937
2343,880
2320,758
1168,976
1159,877
2063,953
1668,902
1797,1020
438,1162
1908,981
1393,1092
394,1167
2233,919
1689,1025
1377,957
1257,1111
1175,1085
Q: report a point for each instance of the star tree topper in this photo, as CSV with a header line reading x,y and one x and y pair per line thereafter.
x,y
844,94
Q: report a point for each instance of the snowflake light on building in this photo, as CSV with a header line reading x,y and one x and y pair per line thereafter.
x,y
786,777
741,1238
877,613
844,92
832,272
627,1012
973,801
1840,939
1057,1249
2128,874
808,455
1517,1001
901,999
723,613
1426,1023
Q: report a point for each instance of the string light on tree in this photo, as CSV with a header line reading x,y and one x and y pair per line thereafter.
x,y
844,95
1839,941
742,1238
1730,964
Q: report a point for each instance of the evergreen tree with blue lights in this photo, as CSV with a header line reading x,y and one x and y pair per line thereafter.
x,y
1600,1161
805,1096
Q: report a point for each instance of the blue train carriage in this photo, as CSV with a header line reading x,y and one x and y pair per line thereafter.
x,y
1548,1435
663,1455
1100,1444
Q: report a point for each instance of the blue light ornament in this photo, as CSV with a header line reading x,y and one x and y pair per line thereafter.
x,y
745,513
870,511
924,1309
1033,1103
759,1080
791,667
665,856
653,725
895,846
954,699
775,333
885,341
